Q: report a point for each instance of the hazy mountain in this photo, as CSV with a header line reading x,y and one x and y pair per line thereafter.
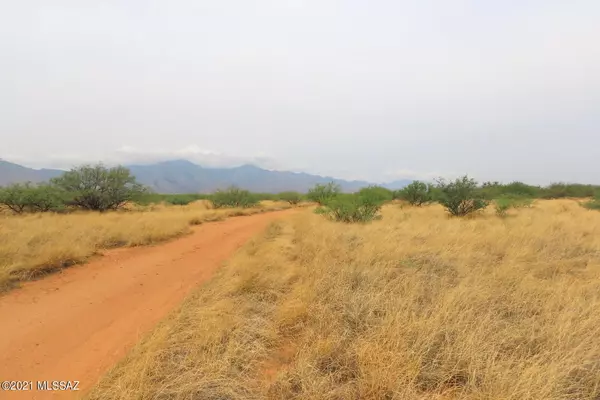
x,y
14,173
182,176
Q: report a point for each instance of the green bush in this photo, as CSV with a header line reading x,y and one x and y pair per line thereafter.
x,y
416,193
377,193
183,199
150,198
45,197
16,197
27,197
233,197
561,190
99,188
494,190
460,197
502,206
265,196
351,208
173,199
520,202
592,205
323,193
180,200
291,197
520,189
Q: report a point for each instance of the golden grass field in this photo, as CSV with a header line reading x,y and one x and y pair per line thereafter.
x,y
35,244
414,306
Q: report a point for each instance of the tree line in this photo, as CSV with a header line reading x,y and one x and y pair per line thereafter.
x,y
86,187
98,188
460,197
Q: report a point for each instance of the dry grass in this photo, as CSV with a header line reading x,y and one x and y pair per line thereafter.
x,y
33,245
415,306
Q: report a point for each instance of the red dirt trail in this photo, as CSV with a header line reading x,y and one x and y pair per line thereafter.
x,y
75,325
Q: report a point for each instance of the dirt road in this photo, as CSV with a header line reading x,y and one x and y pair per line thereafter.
x,y
75,325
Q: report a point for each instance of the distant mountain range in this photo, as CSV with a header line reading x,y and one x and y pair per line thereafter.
x,y
182,176
14,173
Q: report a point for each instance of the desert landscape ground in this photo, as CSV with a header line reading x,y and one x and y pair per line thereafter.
x,y
342,298
34,244
414,306
79,322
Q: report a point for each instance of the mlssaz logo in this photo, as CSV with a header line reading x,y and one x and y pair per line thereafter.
x,y
58,385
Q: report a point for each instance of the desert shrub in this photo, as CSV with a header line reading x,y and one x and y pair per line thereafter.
x,y
377,193
173,199
291,197
351,208
520,202
16,197
561,190
435,193
592,205
520,189
265,196
595,203
45,197
180,200
460,197
417,193
320,210
183,199
27,197
98,188
494,190
555,191
150,198
502,206
233,197
323,193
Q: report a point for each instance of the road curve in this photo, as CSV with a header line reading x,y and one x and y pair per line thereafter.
x,y
75,325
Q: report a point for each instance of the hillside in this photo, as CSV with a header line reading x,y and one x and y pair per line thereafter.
x,y
182,176
14,173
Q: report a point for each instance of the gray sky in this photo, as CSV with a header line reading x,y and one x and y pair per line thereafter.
x,y
378,89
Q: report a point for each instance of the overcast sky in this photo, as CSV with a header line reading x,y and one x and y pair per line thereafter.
x,y
377,89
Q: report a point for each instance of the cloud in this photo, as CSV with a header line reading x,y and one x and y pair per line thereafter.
x,y
500,90
193,153
398,174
